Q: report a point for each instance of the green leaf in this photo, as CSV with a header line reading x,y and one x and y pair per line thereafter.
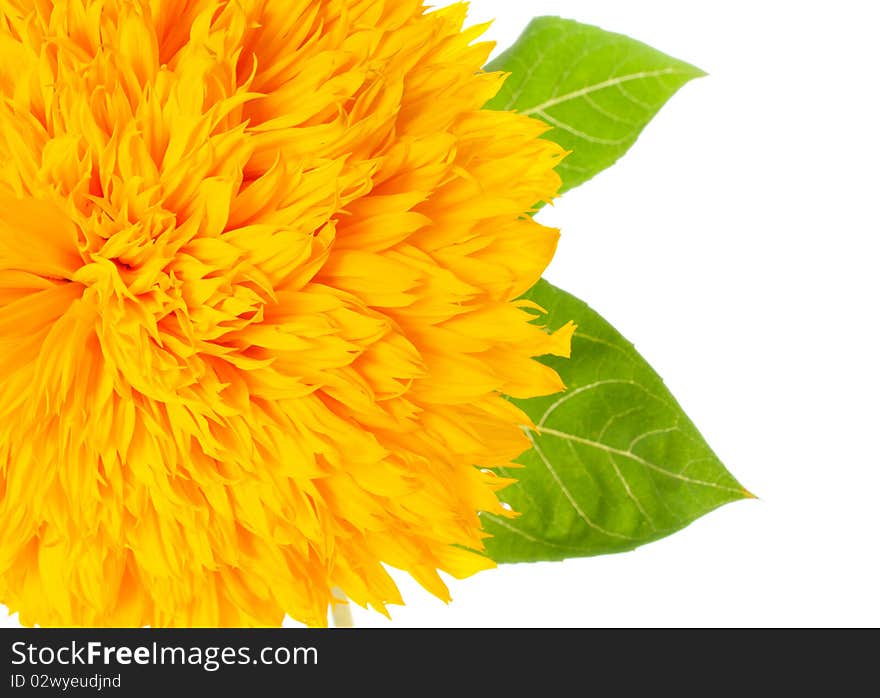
x,y
616,463
598,90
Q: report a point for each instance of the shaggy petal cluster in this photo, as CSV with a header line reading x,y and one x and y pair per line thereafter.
x,y
259,263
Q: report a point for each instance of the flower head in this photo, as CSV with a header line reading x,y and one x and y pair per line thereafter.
x,y
259,263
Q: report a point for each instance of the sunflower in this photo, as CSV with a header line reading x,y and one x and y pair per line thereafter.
x,y
259,271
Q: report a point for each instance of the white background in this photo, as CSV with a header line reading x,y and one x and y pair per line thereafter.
x,y
737,247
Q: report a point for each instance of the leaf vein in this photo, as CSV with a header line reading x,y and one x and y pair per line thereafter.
x,y
504,523
578,133
585,388
638,459
604,85
571,500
